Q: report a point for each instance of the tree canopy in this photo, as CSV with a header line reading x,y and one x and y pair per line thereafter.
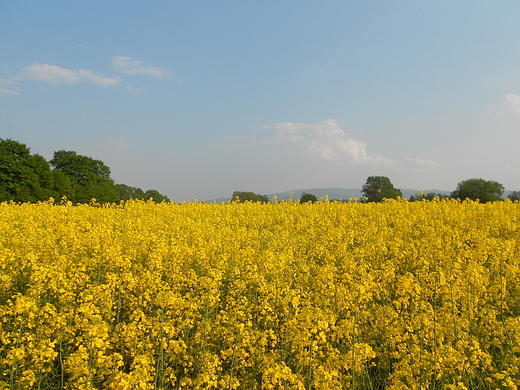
x,y
156,196
429,196
308,198
125,192
515,195
243,196
89,178
479,189
28,178
378,188
23,177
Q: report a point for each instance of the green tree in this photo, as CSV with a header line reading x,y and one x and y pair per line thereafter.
x,y
378,188
42,168
89,178
156,196
243,196
429,196
62,186
308,198
125,192
478,189
515,195
23,177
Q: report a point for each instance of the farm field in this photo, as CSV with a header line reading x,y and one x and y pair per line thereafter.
x,y
393,295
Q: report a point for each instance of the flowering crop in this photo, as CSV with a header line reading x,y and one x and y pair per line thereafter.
x,y
393,295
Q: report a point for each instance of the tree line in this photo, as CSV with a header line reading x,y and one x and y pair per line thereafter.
x,y
378,188
26,177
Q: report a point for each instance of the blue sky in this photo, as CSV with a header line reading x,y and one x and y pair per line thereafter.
x,y
198,99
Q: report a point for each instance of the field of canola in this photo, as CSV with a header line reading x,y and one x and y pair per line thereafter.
x,y
396,295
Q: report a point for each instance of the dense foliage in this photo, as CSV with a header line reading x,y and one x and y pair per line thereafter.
x,y
28,178
479,189
429,196
378,188
245,196
392,295
515,195
89,178
23,177
308,198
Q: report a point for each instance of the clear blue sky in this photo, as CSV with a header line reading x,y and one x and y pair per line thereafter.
x,y
198,99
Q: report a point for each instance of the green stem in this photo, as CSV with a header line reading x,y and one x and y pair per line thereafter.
x,y
309,377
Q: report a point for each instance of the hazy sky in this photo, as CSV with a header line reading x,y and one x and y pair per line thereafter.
x,y
198,99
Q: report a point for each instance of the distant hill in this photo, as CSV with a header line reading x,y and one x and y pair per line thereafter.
x,y
344,193
340,193
332,193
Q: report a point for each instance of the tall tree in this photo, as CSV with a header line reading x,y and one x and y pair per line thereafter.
x,y
89,178
479,189
23,177
42,169
62,185
378,188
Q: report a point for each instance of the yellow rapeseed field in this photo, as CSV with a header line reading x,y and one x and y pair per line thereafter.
x,y
393,295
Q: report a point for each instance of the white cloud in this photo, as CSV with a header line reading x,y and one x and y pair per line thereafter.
x,y
7,91
7,87
105,81
420,161
325,140
135,89
50,73
510,106
53,75
129,65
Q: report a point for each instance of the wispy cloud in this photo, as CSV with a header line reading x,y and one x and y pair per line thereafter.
x,y
135,90
421,162
53,75
50,73
510,106
324,141
105,81
132,66
8,87
7,91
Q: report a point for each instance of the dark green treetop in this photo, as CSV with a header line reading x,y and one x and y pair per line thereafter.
x,y
125,192
378,188
242,196
479,189
515,195
308,198
156,196
23,177
89,178
429,196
